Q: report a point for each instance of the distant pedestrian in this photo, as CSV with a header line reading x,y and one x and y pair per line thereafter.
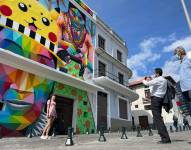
x,y
51,115
185,72
185,123
175,122
158,87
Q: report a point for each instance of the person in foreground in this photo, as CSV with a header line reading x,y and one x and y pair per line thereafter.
x,y
158,87
51,115
185,71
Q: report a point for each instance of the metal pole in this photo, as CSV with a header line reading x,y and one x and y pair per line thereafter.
x,y
186,13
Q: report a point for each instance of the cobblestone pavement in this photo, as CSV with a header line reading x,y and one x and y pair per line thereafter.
x,y
180,141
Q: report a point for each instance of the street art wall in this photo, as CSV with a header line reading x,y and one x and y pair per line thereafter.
x,y
56,34
76,37
84,121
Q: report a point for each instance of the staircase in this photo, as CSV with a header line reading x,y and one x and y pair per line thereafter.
x,y
36,128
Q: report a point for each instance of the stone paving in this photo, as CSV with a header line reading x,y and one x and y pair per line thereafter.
x,y
180,141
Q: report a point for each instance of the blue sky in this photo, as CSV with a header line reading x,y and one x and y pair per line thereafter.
x,y
151,28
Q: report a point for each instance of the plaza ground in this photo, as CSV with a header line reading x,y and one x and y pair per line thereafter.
x,y
180,141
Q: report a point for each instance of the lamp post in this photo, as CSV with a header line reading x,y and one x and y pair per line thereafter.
x,y
186,13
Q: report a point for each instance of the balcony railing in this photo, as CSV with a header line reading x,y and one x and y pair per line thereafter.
x,y
99,73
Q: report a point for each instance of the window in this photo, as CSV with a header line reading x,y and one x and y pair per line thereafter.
x,y
147,93
120,76
101,69
101,42
136,106
119,56
123,109
147,107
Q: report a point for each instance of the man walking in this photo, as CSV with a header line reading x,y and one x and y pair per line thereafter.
x,y
158,87
185,72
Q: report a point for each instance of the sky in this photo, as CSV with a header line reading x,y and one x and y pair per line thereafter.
x,y
151,29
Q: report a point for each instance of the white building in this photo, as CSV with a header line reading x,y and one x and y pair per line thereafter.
x,y
141,108
111,72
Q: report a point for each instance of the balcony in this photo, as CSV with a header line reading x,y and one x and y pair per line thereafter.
x,y
112,76
110,81
102,53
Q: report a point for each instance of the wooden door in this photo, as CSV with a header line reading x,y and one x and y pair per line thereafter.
x,y
64,109
102,110
144,122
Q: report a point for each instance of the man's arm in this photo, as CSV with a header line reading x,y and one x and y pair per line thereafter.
x,y
150,83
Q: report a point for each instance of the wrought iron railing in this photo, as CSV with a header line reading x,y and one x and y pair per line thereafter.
x,y
112,76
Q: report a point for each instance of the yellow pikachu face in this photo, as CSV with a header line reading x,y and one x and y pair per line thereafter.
x,y
31,14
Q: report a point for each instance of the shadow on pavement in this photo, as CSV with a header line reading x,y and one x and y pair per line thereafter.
x,y
178,140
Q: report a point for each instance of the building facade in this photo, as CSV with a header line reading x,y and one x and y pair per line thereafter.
x,y
111,72
52,51
141,108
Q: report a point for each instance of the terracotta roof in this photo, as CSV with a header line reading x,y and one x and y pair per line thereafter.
x,y
139,81
136,82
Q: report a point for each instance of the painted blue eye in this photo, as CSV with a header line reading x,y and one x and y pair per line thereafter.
x,y
23,7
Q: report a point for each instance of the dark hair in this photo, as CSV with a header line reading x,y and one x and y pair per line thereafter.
x,y
158,71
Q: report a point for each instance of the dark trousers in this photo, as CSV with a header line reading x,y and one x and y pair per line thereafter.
x,y
156,106
187,96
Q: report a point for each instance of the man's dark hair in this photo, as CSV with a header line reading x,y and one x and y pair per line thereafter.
x,y
158,71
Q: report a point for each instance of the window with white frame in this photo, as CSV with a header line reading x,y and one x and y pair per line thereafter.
x,y
123,111
119,56
101,69
101,42
121,78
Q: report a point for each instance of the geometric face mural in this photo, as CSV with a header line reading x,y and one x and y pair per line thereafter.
x,y
23,96
23,30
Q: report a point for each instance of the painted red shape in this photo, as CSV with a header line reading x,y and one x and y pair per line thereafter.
x,y
5,10
52,37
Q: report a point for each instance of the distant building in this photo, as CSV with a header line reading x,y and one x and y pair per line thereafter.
x,y
141,108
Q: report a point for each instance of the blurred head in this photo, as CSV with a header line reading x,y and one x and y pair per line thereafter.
x,y
53,98
179,52
158,72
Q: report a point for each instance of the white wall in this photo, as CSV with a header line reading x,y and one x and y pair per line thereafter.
x,y
140,111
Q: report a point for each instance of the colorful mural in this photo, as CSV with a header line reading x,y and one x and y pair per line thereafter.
x,y
23,30
85,120
61,37
76,38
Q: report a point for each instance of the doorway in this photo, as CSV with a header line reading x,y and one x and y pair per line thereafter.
x,y
143,122
64,109
102,110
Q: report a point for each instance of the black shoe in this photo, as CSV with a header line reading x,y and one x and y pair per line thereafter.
x,y
164,142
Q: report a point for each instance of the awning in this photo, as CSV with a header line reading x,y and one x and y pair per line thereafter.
x,y
22,63
107,82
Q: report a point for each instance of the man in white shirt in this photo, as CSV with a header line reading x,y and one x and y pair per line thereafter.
x,y
185,71
158,87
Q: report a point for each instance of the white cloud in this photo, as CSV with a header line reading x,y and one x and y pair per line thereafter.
x,y
185,42
146,55
154,58
171,68
135,76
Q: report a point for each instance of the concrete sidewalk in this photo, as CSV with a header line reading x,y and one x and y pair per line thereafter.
x,y
180,141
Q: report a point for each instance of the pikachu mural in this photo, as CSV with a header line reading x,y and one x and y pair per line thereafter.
x,y
53,33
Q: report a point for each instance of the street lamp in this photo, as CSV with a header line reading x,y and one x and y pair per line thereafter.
x,y
186,13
